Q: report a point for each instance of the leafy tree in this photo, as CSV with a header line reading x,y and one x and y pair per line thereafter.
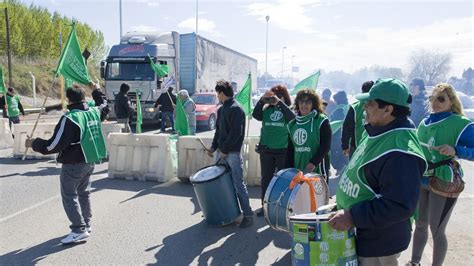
x,y
432,67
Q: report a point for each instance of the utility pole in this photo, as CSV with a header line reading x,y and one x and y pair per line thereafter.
x,y
266,50
120,14
9,50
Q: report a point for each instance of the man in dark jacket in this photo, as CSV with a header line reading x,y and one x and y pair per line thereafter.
x,y
227,142
167,103
353,125
12,107
123,108
419,108
79,141
375,194
100,101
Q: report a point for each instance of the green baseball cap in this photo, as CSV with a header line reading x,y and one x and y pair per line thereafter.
x,y
390,90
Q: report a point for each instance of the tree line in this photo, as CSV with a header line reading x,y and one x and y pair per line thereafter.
x,y
36,33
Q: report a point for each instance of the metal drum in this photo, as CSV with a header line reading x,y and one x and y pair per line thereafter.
x,y
281,202
314,242
216,194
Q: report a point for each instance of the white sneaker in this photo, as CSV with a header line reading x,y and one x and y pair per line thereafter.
x,y
74,238
89,229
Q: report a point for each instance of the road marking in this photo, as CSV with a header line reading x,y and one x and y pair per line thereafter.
x,y
27,209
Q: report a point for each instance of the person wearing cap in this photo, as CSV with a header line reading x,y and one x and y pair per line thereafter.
x,y
446,135
189,109
419,108
353,125
375,194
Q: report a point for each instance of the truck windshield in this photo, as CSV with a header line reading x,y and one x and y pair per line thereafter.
x,y
129,71
204,99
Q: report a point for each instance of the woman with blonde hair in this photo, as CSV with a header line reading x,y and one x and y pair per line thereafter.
x,y
446,135
310,133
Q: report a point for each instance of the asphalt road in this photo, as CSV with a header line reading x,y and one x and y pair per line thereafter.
x,y
155,223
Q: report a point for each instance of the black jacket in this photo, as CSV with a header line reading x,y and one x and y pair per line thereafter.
x,y
122,106
383,226
348,130
65,140
230,127
101,102
164,101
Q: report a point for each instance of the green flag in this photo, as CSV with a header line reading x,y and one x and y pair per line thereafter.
x,y
2,82
181,123
138,126
310,82
160,70
244,97
72,65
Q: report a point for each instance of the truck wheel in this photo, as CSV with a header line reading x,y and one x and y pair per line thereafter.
x,y
211,123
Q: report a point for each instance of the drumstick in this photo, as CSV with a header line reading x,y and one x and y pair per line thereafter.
x,y
202,143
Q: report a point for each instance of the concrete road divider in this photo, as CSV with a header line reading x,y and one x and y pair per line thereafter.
x,y
144,157
45,131
252,168
192,156
22,130
6,139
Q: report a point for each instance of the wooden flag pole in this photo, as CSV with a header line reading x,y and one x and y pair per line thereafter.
x,y
36,123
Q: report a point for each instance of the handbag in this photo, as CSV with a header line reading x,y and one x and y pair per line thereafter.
x,y
448,189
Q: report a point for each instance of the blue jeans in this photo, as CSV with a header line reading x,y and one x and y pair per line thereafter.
x,y
236,164
164,115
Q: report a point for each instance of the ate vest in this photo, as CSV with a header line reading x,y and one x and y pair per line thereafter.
x,y
359,120
92,141
274,132
12,102
353,187
305,136
445,131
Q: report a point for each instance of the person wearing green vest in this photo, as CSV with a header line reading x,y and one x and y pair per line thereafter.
x,y
13,106
272,109
378,192
190,110
445,134
310,134
79,141
353,125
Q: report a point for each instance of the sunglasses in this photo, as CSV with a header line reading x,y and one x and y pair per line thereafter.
x,y
440,99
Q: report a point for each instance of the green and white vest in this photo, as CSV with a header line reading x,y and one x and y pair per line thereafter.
x,y
445,131
274,132
353,187
359,120
12,102
304,134
92,141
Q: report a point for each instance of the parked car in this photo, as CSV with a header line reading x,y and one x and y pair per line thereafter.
x,y
206,109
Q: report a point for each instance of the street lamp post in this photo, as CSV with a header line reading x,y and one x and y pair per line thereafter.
x,y
267,18
292,57
282,60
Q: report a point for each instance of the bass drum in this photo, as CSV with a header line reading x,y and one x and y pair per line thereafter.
x,y
216,195
281,202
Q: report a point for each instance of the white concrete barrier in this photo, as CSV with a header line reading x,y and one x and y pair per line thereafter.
x,y
22,130
45,131
192,156
252,161
145,157
6,139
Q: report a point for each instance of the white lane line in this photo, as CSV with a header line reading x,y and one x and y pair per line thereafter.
x,y
28,209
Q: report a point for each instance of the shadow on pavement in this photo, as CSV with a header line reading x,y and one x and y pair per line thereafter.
x,y
35,254
241,246
19,161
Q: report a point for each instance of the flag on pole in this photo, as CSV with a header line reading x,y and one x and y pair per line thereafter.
x,y
71,64
138,126
3,90
181,124
244,97
160,70
168,82
310,82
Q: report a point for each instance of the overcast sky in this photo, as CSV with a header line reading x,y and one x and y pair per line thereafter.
x,y
330,35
